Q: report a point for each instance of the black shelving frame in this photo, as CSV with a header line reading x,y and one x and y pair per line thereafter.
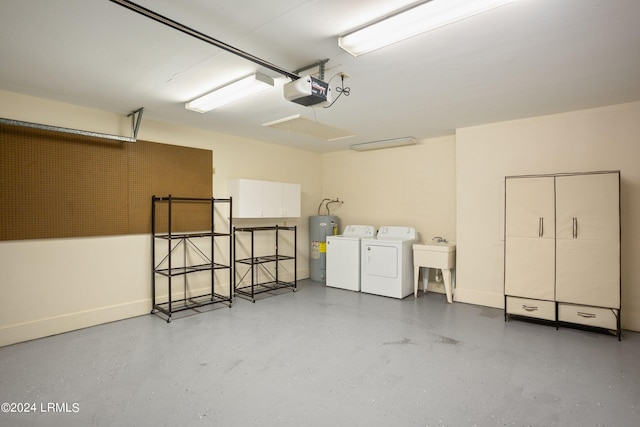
x,y
166,267
256,264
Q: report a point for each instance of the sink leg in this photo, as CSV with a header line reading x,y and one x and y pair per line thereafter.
x,y
446,275
416,278
425,280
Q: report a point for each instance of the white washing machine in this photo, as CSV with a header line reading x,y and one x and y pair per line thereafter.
x,y
387,263
343,257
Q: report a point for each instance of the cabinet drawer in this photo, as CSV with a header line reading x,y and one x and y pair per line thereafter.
x,y
532,308
590,316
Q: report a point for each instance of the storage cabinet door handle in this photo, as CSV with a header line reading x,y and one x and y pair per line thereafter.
x,y
575,227
586,315
540,227
530,307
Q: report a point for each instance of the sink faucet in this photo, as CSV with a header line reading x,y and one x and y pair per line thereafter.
x,y
439,239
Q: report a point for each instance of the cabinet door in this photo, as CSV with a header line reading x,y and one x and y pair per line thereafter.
x,y
530,237
247,197
264,199
280,199
271,199
588,239
290,200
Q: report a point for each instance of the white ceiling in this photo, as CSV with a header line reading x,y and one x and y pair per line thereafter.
x,y
525,59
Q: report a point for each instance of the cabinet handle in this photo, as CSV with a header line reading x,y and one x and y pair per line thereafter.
x,y
529,307
540,227
575,227
586,315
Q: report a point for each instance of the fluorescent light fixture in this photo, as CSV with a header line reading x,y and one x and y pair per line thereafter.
x,y
230,92
407,23
387,143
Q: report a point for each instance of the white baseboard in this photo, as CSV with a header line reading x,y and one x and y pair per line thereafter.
x,y
41,328
69,322
471,296
630,320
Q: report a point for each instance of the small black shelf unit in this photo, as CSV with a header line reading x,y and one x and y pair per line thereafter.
x,y
202,243
256,264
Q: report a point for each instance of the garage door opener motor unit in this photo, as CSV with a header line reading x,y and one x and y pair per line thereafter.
x,y
307,91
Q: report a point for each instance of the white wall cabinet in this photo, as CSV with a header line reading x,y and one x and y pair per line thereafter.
x,y
562,248
264,199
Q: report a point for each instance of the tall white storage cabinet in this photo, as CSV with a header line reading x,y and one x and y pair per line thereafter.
x,y
562,248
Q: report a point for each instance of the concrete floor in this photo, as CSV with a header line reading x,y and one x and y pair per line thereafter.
x,y
325,357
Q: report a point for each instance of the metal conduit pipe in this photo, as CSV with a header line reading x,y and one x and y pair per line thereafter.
x,y
333,202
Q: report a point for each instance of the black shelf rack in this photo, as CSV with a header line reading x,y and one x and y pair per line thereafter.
x,y
255,264
202,243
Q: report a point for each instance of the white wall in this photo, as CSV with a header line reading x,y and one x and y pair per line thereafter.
x,y
581,141
56,285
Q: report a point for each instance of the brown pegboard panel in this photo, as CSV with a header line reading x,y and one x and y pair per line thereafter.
x,y
185,215
161,170
60,185
55,185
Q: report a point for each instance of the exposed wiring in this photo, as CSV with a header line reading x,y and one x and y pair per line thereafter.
x,y
340,89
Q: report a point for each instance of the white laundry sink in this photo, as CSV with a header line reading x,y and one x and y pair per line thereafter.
x,y
435,255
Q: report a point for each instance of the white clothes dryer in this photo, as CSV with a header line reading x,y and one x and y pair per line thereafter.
x,y
386,262
343,257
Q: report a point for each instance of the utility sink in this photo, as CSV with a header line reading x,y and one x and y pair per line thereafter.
x,y
435,254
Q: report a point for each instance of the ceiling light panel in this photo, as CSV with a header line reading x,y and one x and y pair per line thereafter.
x,y
230,92
424,17
299,124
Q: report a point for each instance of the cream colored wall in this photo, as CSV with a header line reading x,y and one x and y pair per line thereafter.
x,y
410,186
589,140
450,186
56,285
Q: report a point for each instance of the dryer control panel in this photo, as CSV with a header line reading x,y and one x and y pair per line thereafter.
x,y
397,232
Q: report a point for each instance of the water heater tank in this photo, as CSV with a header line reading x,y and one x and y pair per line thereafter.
x,y
320,226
